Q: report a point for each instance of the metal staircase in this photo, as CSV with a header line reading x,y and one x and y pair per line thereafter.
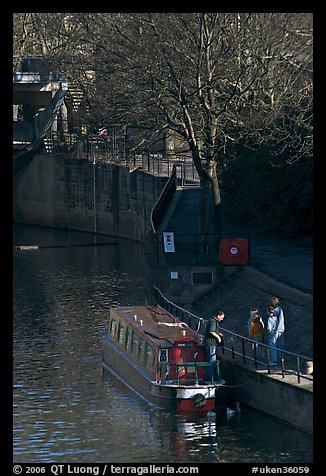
x,y
40,125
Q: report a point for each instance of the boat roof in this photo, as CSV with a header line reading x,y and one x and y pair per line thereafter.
x,y
157,324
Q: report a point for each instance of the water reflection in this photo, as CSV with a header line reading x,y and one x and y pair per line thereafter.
x,y
246,437
65,410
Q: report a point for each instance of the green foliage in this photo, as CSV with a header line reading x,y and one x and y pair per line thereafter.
x,y
275,195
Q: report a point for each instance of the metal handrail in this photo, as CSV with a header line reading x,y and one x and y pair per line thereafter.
x,y
230,338
163,365
163,201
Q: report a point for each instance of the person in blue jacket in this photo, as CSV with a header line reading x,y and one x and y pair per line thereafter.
x,y
278,311
271,331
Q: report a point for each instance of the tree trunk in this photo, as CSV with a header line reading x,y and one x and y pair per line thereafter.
x,y
217,203
209,187
204,227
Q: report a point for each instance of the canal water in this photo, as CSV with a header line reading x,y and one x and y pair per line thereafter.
x,y
65,409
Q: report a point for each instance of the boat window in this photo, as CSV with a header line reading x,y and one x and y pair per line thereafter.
x,y
153,363
163,356
134,344
120,333
127,338
141,349
148,356
113,325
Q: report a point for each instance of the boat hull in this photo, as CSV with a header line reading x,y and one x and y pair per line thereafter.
x,y
123,368
185,398
168,395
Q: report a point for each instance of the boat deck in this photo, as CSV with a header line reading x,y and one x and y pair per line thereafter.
x,y
156,323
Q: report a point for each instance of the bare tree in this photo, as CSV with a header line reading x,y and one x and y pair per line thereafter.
x,y
219,81
216,80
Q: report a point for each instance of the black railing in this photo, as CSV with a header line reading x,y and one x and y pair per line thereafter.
x,y
240,347
188,369
113,150
43,66
163,201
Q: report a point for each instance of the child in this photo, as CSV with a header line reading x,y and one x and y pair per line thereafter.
x,y
256,332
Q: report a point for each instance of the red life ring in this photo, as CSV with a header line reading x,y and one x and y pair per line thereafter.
x,y
234,251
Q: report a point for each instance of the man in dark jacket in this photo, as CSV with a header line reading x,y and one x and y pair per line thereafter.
x,y
212,338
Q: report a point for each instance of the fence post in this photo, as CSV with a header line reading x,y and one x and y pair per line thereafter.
x,y
282,367
268,360
255,353
243,350
298,368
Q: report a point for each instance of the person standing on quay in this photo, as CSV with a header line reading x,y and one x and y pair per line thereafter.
x,y
279,334
212,338
272,324
253,314
256,333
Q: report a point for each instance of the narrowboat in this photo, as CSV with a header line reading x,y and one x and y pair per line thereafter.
x,y
160,358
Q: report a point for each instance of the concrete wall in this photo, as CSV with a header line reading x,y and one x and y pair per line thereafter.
x,y
103,198
292,404
180,286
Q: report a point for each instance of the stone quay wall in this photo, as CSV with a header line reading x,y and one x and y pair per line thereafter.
x,y
75,194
